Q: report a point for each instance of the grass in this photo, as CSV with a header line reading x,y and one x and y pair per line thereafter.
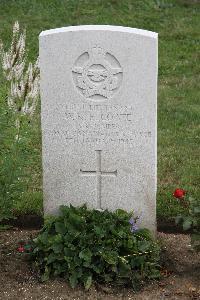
x,y
177,23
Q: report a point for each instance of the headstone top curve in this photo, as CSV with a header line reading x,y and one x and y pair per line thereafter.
x,y
111,28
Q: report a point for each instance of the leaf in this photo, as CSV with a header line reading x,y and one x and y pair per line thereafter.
x,y
108,278
191,200
57,248
68,251
73,280
99,231
43,238
86,264
97,268
58,267
79,272
88,282
121,233
86,255
196,210
144,246
64,210
75,219
122,214
178,220
110,257
46,274
60,228
51,258
123,268
187,224
130,243
155,274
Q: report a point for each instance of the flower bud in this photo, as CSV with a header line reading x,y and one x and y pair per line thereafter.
x,y
179,193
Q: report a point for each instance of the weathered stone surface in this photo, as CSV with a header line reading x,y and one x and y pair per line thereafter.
x,y
98,92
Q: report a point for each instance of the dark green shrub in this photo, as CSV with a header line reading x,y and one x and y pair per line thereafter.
x,y
84,245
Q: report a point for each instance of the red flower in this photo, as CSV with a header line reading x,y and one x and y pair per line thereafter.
x,y
20,249
179,193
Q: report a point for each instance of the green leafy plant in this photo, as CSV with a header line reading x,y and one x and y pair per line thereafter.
x,y
191,220
85,245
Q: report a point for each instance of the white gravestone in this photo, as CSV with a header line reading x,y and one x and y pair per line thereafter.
x,y
99,95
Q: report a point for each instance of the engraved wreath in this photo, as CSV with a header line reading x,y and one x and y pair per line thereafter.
x,y
97,74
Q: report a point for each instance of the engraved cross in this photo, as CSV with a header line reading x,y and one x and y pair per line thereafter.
x,y
98,173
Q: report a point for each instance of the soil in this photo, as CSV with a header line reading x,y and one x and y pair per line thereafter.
x,y
180,280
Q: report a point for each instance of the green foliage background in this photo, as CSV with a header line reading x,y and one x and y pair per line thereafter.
x,y
178,23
